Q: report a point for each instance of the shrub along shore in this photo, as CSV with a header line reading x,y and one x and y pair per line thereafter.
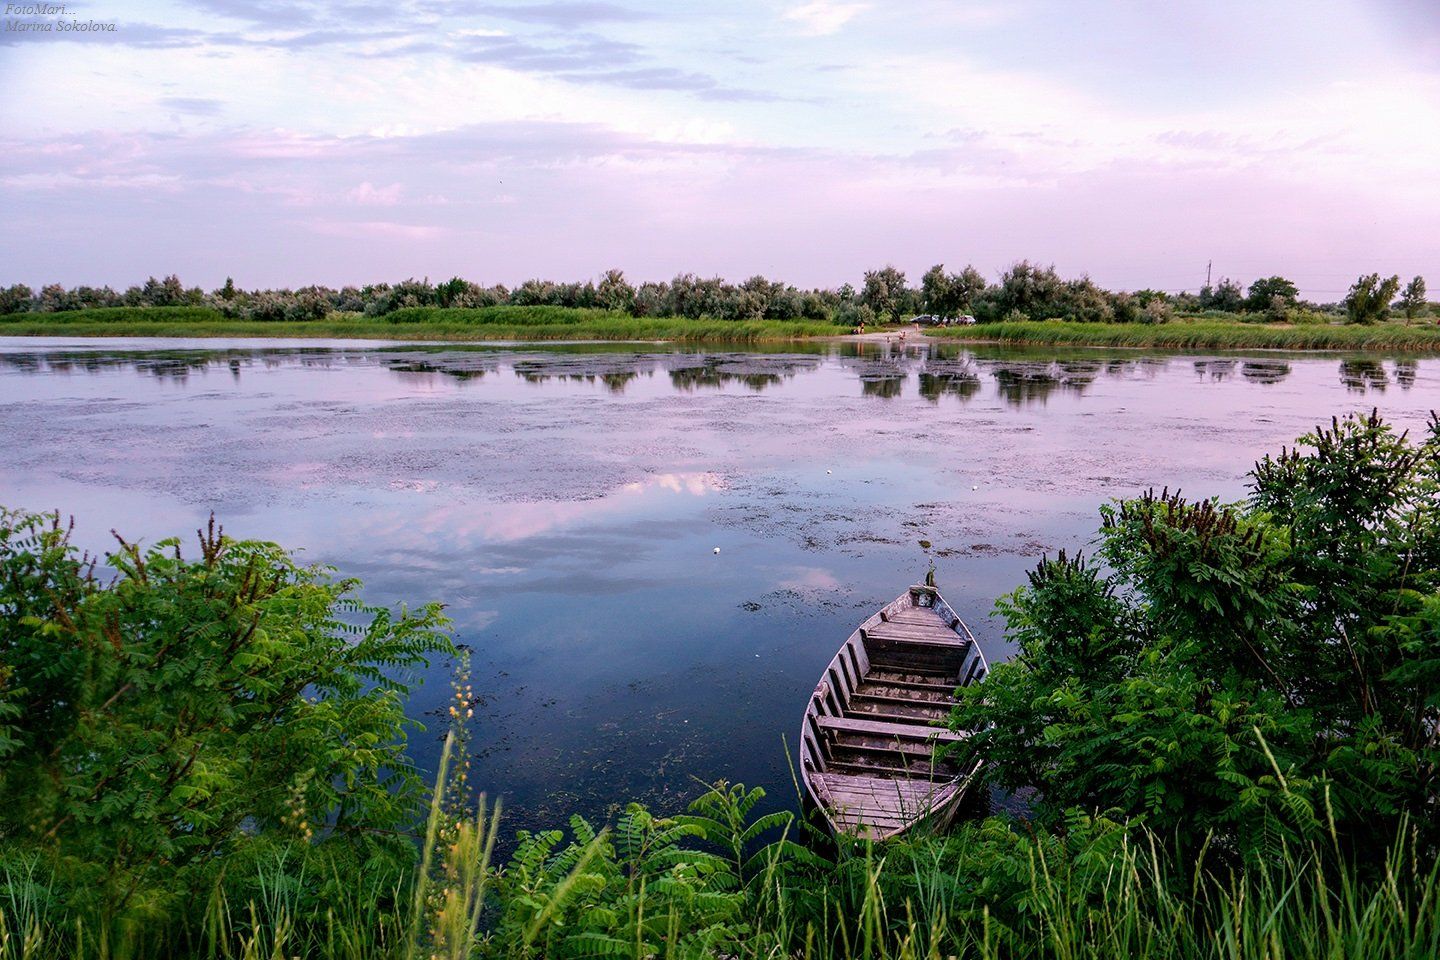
x,y
690,307
541,323
1229,724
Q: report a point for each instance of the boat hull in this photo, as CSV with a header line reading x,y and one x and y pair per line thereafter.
x,y
872,757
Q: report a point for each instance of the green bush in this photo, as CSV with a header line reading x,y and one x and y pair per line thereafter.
x,y
502,315
162,725
1246,674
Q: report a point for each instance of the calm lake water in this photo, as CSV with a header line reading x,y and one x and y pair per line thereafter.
x,y
565,503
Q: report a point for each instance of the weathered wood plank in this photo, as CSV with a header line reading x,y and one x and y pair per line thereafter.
x,y
912,681
939,669
919,616
861,819
900,711
902,731
863,784
916,634
864,768
849,783
907,693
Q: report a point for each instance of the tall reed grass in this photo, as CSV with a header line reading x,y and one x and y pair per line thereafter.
x,y
417,323
563,323
1207,335
987,892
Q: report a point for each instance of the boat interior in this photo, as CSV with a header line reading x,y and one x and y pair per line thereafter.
x,y
875,721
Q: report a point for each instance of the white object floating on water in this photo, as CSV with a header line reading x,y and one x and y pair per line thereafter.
x,y
976,487
717,549
827,473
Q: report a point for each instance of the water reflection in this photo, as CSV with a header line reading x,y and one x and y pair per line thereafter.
x,y
466,525
1265,371
1362,376
882,374
957,378
179,365
882,385
1020,376
1216,371
463,373
1406,372
1026,383
715,371
614,374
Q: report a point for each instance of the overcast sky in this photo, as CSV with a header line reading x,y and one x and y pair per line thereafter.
x,y
287,143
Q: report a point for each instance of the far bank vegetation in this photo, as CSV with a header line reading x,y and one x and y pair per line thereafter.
x,y
1025,291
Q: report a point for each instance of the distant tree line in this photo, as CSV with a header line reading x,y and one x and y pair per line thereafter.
x,y
1024,291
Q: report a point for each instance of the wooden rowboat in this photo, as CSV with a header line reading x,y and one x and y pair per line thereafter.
x,y
872,729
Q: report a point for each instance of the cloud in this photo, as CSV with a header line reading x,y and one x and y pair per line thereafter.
x,y
369,195
579,55
592,59
279,13
564,14
670,78
198,106
377,230
824,17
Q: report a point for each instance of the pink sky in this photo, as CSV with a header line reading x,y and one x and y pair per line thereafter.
x,y
291,143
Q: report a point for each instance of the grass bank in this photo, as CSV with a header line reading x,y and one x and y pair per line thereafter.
x,y
417,323
562,323
540,323
684,887
1206,335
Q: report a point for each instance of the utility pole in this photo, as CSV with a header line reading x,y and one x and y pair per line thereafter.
x,y
1208,265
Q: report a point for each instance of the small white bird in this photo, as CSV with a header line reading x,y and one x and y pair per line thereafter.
x,y
827,473
717,549
976,487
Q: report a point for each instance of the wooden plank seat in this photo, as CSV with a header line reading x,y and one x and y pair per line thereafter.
x,y
922,682
880,728
936,693
909,633
867,706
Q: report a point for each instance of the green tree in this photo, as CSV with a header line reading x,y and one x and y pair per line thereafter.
x,y
1280,309
935,293
614,293
1082,300
1030,289
1157,310
950,294
884,292
16,298
1412,299
1263,292
192,708
449,293
1226,296
169,292
1369,298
